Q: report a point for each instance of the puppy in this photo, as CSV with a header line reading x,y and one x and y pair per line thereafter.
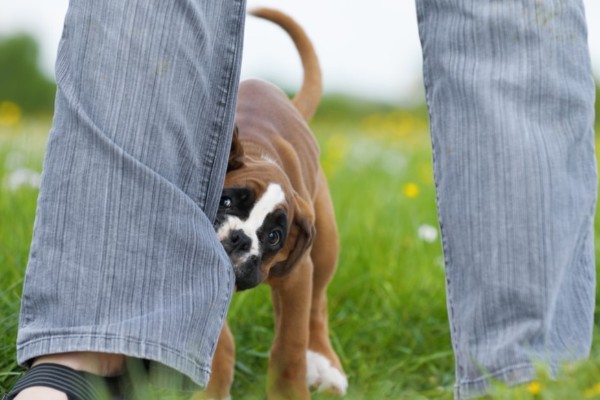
x,y
276,222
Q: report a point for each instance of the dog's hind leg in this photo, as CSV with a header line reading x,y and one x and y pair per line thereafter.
x,y
325,371
221,377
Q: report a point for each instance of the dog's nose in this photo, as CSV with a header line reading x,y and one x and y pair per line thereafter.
x,y
239,242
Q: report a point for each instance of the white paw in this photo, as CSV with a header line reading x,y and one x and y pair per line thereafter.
x,y
323,376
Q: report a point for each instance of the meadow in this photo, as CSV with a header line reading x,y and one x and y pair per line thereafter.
x,y
387,301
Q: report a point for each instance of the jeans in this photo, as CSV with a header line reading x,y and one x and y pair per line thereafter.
x,y
124,258
510,96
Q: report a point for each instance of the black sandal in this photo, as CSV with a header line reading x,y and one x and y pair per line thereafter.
x,y
76,385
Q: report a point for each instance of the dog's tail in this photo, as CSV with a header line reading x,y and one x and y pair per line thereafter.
x,y
308,97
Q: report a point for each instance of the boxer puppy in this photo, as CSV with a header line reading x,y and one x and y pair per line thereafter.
x,y
276,222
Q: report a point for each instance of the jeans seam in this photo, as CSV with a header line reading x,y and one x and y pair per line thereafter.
x,y
229,79
446,251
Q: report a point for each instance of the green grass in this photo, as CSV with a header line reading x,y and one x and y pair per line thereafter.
x,y
387,301
19,148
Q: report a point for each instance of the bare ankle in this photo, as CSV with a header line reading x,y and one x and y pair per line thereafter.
x,y
103,364
38,392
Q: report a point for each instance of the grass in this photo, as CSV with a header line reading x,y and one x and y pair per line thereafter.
x,y
387,301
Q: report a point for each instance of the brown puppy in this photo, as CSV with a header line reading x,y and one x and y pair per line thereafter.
x,y
276,222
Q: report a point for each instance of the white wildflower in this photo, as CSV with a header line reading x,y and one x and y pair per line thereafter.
x,y
23,177
427,233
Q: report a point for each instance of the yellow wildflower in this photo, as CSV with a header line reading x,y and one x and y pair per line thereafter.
x,y
534,388
594,391
10,113
411,190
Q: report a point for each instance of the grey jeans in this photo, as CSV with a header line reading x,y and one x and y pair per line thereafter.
x,y
510,95
124,258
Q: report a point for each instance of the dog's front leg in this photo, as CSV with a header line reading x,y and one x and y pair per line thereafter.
x,y
222,368
287,363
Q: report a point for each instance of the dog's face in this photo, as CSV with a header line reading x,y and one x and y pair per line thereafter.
x,y
264,226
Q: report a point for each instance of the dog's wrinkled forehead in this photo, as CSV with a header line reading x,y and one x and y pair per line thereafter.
x,y
242,201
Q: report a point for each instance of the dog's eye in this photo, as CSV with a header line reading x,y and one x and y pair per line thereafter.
x,y
226,202
274,237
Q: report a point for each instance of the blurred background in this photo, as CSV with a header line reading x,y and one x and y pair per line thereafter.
x,y
367,51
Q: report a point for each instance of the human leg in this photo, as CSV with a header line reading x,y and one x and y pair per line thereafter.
x,y
510,94
124,259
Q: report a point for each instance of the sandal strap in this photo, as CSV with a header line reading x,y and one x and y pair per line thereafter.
x,y
75,384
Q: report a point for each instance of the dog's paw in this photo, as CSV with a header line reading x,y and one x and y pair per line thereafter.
x,y
323,376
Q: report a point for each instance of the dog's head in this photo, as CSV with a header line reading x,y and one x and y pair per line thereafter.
x,y
262,223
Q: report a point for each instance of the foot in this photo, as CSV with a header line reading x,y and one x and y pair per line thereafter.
x,y
100,364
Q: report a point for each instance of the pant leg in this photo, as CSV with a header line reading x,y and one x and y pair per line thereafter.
x,y
124,258
510,95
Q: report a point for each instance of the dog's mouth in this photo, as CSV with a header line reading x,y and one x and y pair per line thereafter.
x,y
246,264
247,273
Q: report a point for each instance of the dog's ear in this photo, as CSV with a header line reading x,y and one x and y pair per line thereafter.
x,y
236,154
304,232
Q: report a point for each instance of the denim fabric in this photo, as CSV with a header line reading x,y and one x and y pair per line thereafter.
x,y
124,258
510,95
